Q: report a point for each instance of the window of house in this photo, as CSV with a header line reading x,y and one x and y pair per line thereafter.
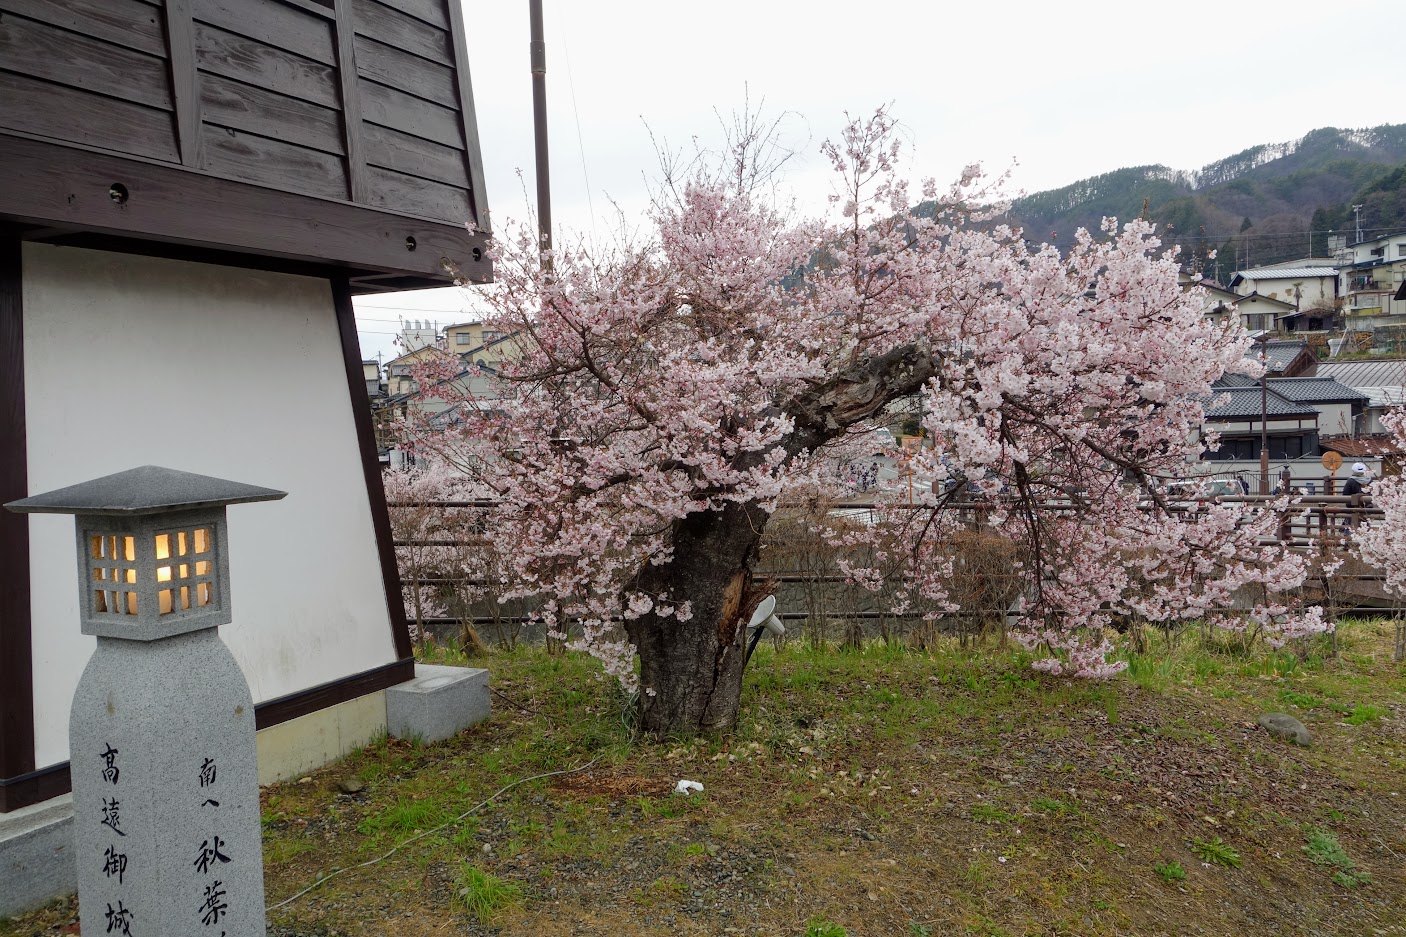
x,y
1401,250
462,338
491,336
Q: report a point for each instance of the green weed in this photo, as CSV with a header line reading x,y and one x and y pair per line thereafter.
x,y
1216,851
1170,871
822,927
484,894
1049,805
406,816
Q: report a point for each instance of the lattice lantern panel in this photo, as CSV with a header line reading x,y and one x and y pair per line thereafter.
x,y
153,576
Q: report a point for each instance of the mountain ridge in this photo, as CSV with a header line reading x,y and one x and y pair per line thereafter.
x,y
1265,204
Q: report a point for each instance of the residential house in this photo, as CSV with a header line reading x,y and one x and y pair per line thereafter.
x,y
375,385
420,340
1262,313
1309,285
1294,413
477,343
1372,280
1382,380
1219,300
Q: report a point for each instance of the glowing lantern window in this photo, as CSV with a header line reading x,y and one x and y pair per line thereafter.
x,y
153,549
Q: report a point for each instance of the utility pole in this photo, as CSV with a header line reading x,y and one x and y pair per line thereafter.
x,y
538,51
1357,211
1264,418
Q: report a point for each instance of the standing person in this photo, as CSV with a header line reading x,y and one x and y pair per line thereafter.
x,y
1355,488
1243,483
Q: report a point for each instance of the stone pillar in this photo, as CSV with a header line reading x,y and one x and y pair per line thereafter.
x,y
165,789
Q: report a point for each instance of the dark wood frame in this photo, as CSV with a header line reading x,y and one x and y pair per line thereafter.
x,y
67,189
371,465
20,784
16,653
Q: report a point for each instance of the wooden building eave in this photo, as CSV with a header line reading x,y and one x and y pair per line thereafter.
x,y
57,191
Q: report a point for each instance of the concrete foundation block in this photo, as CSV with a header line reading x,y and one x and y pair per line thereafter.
x,y
437,703
36,856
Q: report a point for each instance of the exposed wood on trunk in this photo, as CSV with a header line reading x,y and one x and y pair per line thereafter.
x,y
694,667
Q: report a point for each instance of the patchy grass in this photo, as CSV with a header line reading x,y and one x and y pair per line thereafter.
x,y
1323,848
878,792
483,894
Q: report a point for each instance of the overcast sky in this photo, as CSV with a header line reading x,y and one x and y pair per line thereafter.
x,y
1063,89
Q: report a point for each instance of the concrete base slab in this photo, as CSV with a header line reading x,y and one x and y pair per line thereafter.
x,y
438,702
36,856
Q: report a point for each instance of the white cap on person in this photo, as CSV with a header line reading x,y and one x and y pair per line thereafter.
x,y
1359,468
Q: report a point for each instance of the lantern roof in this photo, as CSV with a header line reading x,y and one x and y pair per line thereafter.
x,y
147,489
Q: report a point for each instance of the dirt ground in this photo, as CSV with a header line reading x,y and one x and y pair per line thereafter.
x,y
875,793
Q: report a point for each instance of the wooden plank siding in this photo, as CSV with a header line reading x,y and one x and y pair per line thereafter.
x,y
360,102
273,23
263,66
394,28
251,109
79,117
393,68
432,199
132,23
271,96
251,158
413,156
409,91
38,50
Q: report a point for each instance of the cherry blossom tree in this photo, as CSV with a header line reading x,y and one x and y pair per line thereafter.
x,y
666,397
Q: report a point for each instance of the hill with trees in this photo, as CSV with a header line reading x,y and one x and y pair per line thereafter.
x,y
1269,203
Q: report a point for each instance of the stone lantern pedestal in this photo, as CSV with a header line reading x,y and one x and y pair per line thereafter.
x,y
161,734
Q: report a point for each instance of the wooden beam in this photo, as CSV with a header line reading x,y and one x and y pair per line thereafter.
x,y
16,663
371,466
275,711
69,186
473,154
34,787
351,102
185,83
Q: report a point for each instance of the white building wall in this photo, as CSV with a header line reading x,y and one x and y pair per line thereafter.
x,y
1334,418
1312,290
233,373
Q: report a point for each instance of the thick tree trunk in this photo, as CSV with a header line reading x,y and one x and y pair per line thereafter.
x,y
691,671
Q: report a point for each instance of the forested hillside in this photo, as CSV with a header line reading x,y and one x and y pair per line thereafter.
x,y
1269,203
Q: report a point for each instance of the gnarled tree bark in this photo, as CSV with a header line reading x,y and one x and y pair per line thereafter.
x,y
691,671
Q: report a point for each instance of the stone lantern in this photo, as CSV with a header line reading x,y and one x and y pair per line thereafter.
x,y
161,734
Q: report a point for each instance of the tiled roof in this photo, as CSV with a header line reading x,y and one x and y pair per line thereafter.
x,y
1278,355
1314,390
1231,403
1256,297
1360,447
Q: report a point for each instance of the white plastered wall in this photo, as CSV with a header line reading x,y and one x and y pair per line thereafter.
x,y
234,373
